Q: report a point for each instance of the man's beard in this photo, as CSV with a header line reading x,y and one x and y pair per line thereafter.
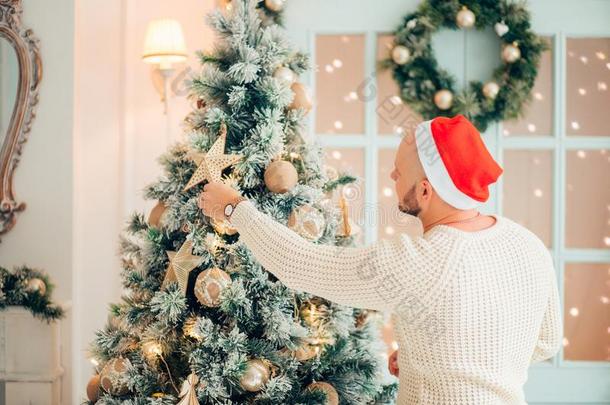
x,y
409,204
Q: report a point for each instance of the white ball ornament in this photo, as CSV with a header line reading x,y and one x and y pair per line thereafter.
x,y
465,18
490,90
501,28
511,53
285,74
400,54
443,99
274,5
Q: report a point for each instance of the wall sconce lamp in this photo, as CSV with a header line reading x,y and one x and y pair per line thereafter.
x,y
164,47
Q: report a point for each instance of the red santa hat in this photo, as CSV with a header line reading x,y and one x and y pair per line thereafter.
x,y
456,161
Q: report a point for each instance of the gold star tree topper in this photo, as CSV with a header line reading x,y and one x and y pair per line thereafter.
x,y
181,263
211,164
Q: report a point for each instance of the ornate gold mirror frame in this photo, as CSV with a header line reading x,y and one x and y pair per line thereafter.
x,y
27,52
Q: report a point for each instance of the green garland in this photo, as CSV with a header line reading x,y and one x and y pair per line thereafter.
x,y
16,289
420,79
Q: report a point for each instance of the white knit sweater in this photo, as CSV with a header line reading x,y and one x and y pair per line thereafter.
x,y
471,310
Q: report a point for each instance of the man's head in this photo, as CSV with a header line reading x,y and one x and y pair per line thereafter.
x,y
443,166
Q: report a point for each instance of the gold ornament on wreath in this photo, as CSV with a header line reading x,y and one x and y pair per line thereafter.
x,y
285,74
209,286
113,376
332,396
36,285
430,91
158,215
280,176
256,375
307,221
302,97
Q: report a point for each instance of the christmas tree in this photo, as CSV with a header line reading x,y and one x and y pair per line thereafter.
x,y
202,321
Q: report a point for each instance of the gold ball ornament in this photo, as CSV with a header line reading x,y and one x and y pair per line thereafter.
x,y
400,54
307,221
223,227
112,377
281,176
332,397
93,388
511,53
158,215
306,352
465,18
285,74
256,376
302,97
275,5
209,285
490,90
36,285
443,99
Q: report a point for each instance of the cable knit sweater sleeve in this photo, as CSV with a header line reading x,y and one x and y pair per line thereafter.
x,y
551,329
374,277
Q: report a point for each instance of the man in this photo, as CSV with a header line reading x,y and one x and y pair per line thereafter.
x,y
474,300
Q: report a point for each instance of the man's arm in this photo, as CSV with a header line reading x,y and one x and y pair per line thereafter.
x,y
374,277
551,329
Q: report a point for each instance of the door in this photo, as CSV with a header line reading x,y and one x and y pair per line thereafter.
x,y
556,157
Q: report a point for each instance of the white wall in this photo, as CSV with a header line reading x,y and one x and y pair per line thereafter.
x,y
93,147
43,235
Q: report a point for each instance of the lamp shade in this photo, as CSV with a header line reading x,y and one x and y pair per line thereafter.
x,y
164,43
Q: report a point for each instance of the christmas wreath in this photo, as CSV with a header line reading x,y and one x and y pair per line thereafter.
x,y
430,90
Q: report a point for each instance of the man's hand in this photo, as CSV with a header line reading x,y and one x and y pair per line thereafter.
x,y
393,363
214,198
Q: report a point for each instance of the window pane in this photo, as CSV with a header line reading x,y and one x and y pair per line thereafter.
x,y
528,191
394,117
350,161
587,93
537,116
339,73
587,312
588,199
390,221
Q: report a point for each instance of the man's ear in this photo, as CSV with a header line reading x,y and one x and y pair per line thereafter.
x,y
426,189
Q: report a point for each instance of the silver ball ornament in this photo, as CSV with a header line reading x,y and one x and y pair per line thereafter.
x,y
400,54
275,5
511,53
465,18
443,99
256,376
490,90
285,74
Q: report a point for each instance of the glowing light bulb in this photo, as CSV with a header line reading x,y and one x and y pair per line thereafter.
x,y
575,125
94,361
531,127
600,55
574,311
389,230
338,125
581,154
387,191
584,59
329,69
565,342
607,240
538,193
505,132
336,154
602,86
604,299
353,95
538,96
582,91
337,63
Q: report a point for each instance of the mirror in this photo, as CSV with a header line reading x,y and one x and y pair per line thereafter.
x,y
9,79
20,74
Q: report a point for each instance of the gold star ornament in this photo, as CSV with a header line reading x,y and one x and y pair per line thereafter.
x,y
211,164
181,263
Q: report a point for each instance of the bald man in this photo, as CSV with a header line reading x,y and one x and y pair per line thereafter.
x,y
474,299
